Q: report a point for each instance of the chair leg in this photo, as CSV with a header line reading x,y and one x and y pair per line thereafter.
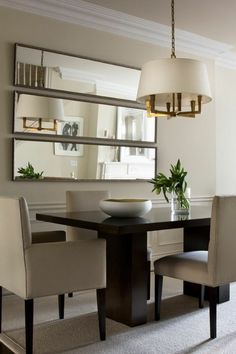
x,y
101,303
212,310
0,309
70,294
158,293
29,320
201,297
148,279
61,306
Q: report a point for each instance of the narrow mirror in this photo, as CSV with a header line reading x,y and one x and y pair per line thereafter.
x,y
45,69
45,161
57,116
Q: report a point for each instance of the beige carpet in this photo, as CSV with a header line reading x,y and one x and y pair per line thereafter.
x,y
183,328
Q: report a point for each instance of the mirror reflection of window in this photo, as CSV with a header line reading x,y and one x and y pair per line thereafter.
x,y
133,124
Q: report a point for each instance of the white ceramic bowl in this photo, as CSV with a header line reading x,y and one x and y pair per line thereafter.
x,y
126,208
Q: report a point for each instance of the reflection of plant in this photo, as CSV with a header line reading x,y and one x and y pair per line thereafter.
x,y
28,172
174,184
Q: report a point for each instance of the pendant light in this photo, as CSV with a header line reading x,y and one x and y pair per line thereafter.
x,y
174,86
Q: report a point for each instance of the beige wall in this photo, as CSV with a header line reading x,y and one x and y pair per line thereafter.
x,y
225,131
193,141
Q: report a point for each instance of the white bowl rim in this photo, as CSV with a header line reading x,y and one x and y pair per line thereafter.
x,y
126,200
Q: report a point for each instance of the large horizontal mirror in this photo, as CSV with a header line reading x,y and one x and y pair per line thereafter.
x,y
46,161
57,116
41,68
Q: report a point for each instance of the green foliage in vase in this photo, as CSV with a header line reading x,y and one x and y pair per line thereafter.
x,y
29,172
176,184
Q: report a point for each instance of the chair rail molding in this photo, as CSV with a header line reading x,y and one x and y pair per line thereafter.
x,y
89,15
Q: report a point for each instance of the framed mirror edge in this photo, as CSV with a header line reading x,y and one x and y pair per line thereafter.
x,y
121,143
65,179
84,100
101,61
16,44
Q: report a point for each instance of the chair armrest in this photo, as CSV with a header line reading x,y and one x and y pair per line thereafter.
x,y
61,267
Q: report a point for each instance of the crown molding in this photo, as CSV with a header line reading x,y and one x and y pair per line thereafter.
x,y
227,60
103,19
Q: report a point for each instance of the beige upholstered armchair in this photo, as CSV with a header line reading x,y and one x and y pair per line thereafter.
x,y
37,270
210,268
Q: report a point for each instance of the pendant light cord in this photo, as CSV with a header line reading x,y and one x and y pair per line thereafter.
x,y
173,29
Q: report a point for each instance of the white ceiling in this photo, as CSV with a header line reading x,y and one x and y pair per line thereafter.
x,y
215,19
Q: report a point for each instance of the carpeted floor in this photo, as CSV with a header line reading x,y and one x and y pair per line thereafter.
x,y
183,327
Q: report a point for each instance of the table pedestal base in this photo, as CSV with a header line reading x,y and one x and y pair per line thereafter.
x,y
126,293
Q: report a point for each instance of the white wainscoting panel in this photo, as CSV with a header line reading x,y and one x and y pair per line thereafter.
x,y
37,225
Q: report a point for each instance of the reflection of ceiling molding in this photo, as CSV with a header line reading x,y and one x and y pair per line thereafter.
x,y
94,16
104,87
79,75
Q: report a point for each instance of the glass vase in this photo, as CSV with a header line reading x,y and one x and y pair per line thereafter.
x,y
180,203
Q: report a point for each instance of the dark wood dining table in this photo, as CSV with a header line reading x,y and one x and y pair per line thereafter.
x,y
126,240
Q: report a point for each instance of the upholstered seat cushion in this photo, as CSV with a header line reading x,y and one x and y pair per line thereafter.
x,y
189,266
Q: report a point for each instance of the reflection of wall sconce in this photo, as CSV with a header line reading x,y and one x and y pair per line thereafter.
x,y
37,109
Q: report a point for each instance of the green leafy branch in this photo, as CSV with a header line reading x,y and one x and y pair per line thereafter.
x,y
29,172
176,183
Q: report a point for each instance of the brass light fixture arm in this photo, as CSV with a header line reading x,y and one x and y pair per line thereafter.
x,y
40,126
152,112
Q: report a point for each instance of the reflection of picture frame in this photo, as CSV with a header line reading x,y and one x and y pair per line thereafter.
x,y
70,127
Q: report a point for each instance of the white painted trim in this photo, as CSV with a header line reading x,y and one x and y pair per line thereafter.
x,y
227,60
161,202
49,206
103,19
44,208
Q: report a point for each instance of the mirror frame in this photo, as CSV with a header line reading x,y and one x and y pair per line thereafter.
x,y
65,179
138,105
117,104
83,97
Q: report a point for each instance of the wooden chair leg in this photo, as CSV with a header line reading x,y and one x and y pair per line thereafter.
x,y
70,295
148,279
29,320
201,297
213,311
0,309
61,306
158,293
101,303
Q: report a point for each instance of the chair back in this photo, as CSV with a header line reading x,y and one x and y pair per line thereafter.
x,y
83,201
222,245
15,238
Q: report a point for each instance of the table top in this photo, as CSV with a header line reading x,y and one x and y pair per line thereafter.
x,y
156,219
